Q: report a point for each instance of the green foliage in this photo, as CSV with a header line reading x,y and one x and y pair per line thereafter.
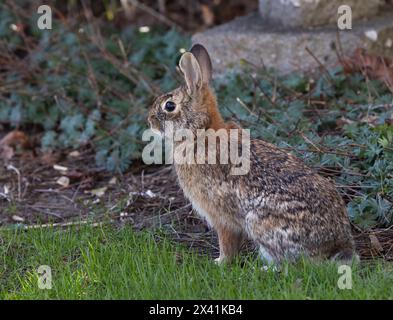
x,y
80,91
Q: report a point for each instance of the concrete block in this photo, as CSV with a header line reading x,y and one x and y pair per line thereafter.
x,y
306,13
252,39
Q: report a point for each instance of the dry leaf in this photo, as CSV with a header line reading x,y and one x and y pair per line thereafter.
x,y
150,194
6,189
13,138
74,154
373,66
113,180
59,167
63,181
207,15
99,192
18,218
371,34
10,140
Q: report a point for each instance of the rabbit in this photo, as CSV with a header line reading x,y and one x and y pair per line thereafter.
x,y
283,206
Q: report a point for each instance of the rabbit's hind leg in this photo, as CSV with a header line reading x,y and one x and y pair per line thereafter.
x,y
276,243
230,240
274,250
269,262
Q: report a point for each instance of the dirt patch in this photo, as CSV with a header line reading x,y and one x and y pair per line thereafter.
x,y
143,197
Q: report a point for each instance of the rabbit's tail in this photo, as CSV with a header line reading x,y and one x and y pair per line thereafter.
x,y
346,256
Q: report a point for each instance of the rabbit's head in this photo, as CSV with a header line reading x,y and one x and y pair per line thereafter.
x,y
193,105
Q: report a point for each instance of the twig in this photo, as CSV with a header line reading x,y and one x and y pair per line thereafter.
x,y
321,65
154,13
64,224
11,167
310,142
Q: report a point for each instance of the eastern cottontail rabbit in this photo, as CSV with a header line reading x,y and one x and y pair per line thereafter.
x,y
286,208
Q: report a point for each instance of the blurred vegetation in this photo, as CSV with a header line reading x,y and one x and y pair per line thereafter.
x,y
89,82
82,84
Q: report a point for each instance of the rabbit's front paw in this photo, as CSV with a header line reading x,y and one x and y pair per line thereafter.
x,y
220,260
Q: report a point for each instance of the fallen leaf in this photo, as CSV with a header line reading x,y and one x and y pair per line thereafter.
x,y
207,15
18,218
150,194
9,141
13,138
371,34
113,180
374,66
63,181
99,192
6,189
74,154
59,167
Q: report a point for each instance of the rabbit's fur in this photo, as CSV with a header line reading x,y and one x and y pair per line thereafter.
x,y
286,208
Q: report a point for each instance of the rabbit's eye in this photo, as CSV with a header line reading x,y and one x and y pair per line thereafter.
x,y
170,106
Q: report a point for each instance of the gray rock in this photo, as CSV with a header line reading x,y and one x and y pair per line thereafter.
x,y
305,13
250,38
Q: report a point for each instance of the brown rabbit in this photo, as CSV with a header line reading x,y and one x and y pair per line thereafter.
x,y
286,208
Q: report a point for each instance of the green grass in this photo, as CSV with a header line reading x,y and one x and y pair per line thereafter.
x,y
112,263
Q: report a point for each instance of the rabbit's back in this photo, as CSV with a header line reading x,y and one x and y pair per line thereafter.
x,y
278,179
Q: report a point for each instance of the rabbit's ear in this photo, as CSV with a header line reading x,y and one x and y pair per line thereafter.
x,y
203,58
191,71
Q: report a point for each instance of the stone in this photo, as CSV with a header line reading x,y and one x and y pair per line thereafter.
x,y
306,13
251,39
